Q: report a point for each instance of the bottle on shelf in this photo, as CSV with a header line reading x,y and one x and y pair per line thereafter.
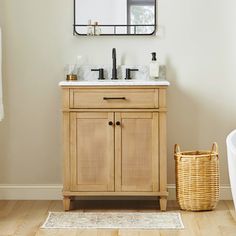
x,y
97,29
90,30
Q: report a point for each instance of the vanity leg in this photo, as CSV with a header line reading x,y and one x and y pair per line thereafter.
x,y
66,203
163,203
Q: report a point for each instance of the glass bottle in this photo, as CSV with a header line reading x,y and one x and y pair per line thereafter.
x,y
97,29
90,28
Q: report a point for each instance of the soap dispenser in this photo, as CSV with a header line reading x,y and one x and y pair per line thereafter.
x,y
154,66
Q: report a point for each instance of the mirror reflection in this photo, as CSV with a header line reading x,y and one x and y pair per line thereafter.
x,y
115,17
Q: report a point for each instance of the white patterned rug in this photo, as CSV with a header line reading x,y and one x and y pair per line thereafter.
x,y
113,220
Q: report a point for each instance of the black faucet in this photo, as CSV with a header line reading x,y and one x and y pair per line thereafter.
x,y
101,73
114,70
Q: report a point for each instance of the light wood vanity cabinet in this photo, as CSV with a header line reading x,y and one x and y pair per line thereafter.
x,y
92,151
114,142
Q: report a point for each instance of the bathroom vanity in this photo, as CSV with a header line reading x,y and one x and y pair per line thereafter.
x,y
114,139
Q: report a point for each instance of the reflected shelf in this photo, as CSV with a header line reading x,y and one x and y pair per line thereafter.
x,y
115,29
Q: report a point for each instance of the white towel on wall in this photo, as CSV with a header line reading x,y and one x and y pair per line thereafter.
x,y
1,100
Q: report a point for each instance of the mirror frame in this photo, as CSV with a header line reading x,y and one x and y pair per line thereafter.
x,y
78,34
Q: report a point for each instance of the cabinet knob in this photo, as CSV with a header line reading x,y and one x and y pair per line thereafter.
x,y
118,123
110,123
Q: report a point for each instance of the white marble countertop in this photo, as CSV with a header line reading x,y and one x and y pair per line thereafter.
x,y
157,82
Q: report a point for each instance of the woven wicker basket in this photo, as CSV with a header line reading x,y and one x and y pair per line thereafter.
x,y
197,179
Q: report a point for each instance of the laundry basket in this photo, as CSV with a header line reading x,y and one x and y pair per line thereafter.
x,y
197,179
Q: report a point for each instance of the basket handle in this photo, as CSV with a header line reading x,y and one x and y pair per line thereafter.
x,y
214,147
176,148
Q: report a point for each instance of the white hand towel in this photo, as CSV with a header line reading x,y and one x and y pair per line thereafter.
x,y
1,101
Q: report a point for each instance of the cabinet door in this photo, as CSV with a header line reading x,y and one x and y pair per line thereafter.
x,y
92,151
136,151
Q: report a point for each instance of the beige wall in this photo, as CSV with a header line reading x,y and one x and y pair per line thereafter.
x,y
196,42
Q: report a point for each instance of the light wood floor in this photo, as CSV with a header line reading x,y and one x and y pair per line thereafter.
x,y
25,217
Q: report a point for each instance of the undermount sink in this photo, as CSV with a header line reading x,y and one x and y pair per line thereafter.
x,y
156,82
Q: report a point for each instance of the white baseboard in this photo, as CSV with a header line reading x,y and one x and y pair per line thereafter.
x,y
30,192
54,192
225,192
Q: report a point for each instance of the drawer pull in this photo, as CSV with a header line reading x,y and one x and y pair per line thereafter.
x,y
114,98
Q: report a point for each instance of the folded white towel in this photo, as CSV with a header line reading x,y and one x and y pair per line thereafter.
x,y
1,101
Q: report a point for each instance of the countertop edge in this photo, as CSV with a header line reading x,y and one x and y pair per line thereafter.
x,y
111,83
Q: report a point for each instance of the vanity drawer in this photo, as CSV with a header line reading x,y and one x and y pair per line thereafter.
x,y
114,98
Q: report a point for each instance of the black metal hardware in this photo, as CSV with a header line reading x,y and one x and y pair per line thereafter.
x,y
127,26
118,123
110,123
114,70
114,98
101,73
154,56
128,72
